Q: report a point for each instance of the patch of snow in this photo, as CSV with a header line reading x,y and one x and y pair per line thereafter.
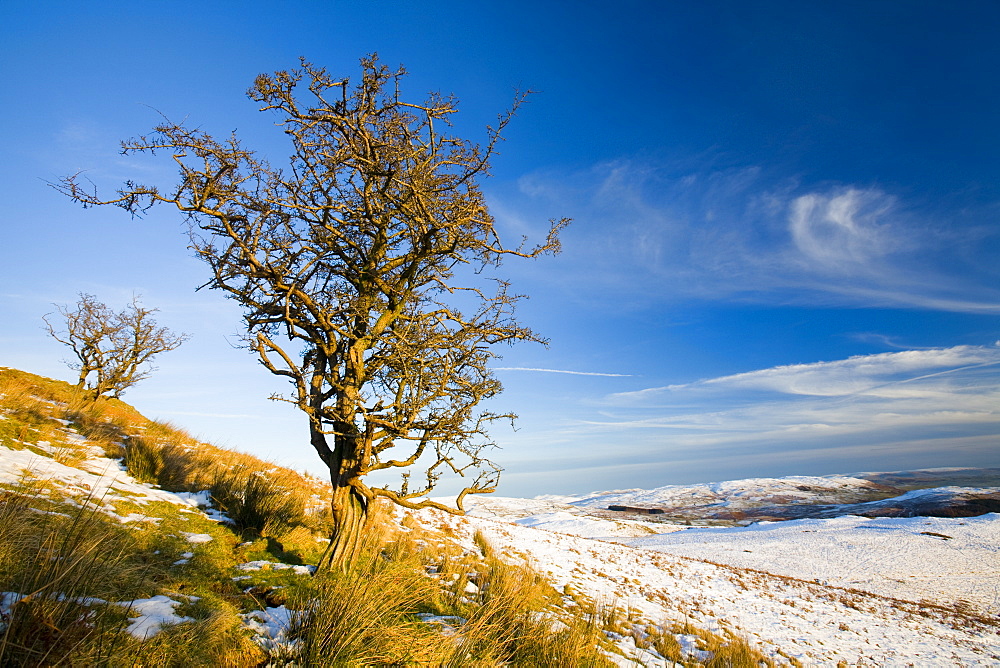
x,y
448,624
76,438
7,601
262,565
270,625
9,598
203,501
505,507
153,614
197,537
185,558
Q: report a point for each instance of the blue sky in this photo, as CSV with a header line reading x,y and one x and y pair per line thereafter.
x,y
784,254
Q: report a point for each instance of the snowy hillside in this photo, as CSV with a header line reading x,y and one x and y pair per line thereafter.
x,y
740,494
736,502
851,592
875,591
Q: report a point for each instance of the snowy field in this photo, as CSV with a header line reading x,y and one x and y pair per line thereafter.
x,y
945,560
875,592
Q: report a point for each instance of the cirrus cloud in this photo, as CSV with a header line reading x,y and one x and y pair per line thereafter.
x,y
655,231
860,374
908,398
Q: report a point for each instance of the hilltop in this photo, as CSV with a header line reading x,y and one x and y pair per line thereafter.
x,y
126,541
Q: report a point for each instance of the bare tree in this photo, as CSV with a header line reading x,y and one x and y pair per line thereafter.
x,y
347,264
113,350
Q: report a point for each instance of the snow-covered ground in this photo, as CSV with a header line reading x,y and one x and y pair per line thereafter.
x,y
944,560
557,516
98,478
812,622
881,592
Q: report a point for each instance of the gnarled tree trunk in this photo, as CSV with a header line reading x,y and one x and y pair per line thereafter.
x,y
350,519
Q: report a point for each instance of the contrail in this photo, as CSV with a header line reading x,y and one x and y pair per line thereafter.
x,y
573,373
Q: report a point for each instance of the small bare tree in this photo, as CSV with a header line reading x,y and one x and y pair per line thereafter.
x,y
113,350
346,263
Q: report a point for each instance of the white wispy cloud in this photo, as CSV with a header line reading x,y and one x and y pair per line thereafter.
x,y
916,395
659,231
862,374
844,231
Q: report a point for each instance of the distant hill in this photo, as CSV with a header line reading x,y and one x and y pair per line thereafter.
x,y
939,477
931,493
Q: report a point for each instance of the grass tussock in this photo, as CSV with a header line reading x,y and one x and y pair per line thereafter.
x,y
733,651
515,620
58,571
260,499
367,617
257,502
725,650
482,611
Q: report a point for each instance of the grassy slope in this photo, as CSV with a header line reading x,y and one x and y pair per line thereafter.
x,y
84,550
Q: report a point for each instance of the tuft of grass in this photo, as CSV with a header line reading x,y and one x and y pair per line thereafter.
x,y
516,622
256,502
726,650
60,569
366,617
661,639
166,456
25,419
732,651
143,459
